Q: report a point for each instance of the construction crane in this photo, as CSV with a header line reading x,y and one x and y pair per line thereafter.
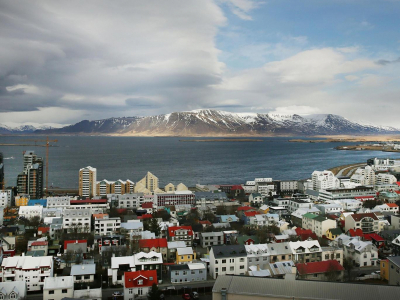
x,y
47,145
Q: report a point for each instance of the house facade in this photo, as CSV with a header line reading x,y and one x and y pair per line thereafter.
x,y
228,260
138,283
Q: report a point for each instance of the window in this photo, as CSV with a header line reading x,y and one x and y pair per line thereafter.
x,y
51,292
223,269
224,261
87,277
140,282
242,260
241,267
64,291
232,269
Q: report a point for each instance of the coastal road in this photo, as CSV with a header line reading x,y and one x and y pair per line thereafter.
x,y
350,169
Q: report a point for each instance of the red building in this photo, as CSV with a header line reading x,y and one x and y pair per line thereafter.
x,y
138,283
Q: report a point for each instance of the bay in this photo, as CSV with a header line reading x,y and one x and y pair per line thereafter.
x,y
174,161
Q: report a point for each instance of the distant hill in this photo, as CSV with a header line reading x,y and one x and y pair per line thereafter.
x,y
208,122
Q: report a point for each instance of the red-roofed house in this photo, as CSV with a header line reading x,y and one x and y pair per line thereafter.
x,y
181,233
205,223
305,234
376,239
145,216
74,245
156,245
137,284
43,230
148,206
39,246
328,270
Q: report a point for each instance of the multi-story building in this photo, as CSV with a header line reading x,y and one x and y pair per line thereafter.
x,y
306,251
22,200
364,176
295,204
13,290
87,182
58,202
347,193
176,198
155,245
318,224
83,272
208,239
394,270
185,255
362,253
32,270
148,261
384,178
264,220
320,270
257,255
204,198
4,202
29,212
323,180
172,247
256,199
130,201
147,184
1,172
289,186
188,273
137,284
181,233
368,222
383,164
30,181
228,260
77,220
107,225
57,288
348,204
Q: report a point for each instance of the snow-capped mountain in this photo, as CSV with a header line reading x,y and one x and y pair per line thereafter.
x,y
4,129
207,122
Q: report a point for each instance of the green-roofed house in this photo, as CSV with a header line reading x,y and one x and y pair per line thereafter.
x,y
247,240
333,233
318,224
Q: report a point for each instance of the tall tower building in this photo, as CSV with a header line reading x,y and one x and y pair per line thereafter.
x,y
30,181
87,182
1,172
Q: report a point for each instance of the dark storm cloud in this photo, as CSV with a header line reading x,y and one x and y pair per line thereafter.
x,y
384,62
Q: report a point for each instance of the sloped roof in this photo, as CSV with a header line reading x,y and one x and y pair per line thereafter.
x,y
319,267
150,243
172,229
130,278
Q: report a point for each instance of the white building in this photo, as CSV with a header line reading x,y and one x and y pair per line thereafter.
x,y
264,220
228,260
289,185
318,224
77,220
295,204
323,180
29,212
363,254
383,164
32,270
257,255
249,187
387,207
133,227
55,202
383,178
346,193
5,201
329,208
107,225
348,204
57,288
305,251
256,199
364,176
83,273
13,290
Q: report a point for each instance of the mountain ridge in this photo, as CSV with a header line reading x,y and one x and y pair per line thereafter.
x,y
209,122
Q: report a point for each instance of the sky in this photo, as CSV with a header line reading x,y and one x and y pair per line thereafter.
x,y
65,61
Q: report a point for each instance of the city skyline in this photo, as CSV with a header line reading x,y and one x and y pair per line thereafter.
x,y
62,62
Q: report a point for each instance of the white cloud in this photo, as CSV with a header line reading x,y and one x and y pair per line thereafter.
x,y
296,109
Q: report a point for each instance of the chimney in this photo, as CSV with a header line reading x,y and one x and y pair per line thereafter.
x,y
223,294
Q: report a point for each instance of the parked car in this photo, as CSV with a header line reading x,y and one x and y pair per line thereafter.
x,y
194,295
186,297
116,294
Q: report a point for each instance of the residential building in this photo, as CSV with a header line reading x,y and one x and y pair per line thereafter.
x,y
362,253
155,245
148,261
318,224
133,228
329,270
32,270
175,198
255,288
4,201
87,182
256,199
332,253
29,212
362,192
129,201
138,283
39,245
204,198
13,290
289,186
383,164
329,208
387,208
384,178
257,255
262,220
367,222
208,239
348,204
107,225
280,252
83,273
181,233
30,181
384,268
188,273
281,268
306,251
228,259
172,247
333,233
57,288
394,270
22,200
297,216
149,183
323,180
363,176
295,204
77,220
185,255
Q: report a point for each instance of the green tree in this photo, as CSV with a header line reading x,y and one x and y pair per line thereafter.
x,y
154,227
154,293
348,264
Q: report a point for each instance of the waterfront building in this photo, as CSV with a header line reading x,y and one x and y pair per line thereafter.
x,y
323,180
149,183
87,182
384,178
176,198
383,164
30,181
362,192
364,176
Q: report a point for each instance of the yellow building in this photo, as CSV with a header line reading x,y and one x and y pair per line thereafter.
x,y
185,255
169,188
333,233
384,267
21,200
149,182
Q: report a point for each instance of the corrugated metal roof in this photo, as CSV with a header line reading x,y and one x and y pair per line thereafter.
x,y
298,289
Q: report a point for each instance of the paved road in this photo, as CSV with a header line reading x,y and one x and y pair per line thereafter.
x,y
352,167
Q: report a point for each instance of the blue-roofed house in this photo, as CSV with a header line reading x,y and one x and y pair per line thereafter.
x,y
228,218
33,202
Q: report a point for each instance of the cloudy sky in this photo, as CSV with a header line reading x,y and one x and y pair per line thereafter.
x,y
64,61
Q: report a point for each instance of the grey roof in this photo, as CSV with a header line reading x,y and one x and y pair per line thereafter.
x,y
299,289
83,269
211,196
229,251
179,267
395,260
282,267
279,248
